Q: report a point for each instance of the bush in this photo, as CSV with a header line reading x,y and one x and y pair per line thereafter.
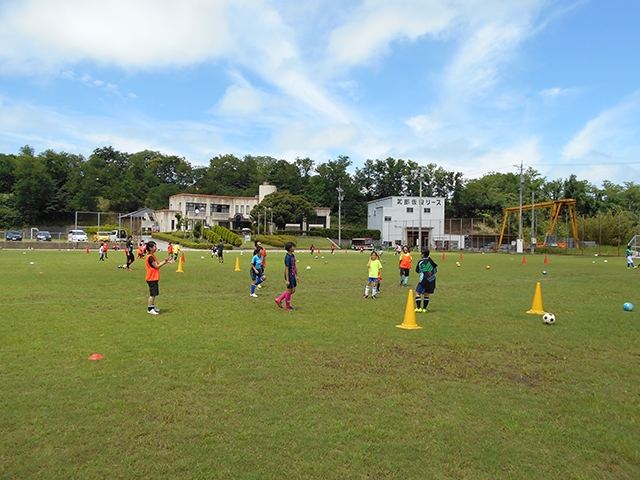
x,y
168,237
333,233
275,240
227,235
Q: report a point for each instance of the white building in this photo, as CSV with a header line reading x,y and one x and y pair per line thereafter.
x,y
226,211
398,219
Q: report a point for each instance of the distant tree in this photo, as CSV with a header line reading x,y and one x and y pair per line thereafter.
x,y
32,187
286,208
7,170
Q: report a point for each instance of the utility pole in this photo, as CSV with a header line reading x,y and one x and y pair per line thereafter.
x,y
340,198
519,247
420,216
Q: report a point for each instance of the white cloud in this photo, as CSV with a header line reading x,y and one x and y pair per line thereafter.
x,y
609,134
40,36
423,124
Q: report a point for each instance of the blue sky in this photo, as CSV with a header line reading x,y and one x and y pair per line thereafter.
x,y
473,86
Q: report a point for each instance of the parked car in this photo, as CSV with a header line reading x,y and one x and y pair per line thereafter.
x,y
118,236
14,236
77,236
43,236
101,237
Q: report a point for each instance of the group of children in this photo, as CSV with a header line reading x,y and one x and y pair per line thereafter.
x,y
426,268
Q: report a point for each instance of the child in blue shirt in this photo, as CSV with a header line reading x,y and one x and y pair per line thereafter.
x,y
257,277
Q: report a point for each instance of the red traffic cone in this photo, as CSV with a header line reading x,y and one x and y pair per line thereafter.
x,y
87,250
95,356
524,259
460,255
444,256
182,257
546,261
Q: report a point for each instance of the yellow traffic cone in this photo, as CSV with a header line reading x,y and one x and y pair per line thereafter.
x,y
237,269
180,270
409,322
536,308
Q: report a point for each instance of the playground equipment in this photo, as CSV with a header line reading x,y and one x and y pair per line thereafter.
x,y
556,207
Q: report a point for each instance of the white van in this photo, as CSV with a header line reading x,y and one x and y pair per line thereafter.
x,y
77,236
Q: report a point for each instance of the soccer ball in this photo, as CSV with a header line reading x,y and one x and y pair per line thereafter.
x,y
628,307
457,264
308,267
544,272
201,258
488,267
549,318
119,266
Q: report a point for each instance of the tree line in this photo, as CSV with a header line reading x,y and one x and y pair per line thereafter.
x,y
48,187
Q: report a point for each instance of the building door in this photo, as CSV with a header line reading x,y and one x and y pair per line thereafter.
x,y
413,235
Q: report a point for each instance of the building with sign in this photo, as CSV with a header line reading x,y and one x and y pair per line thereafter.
x,y
398,219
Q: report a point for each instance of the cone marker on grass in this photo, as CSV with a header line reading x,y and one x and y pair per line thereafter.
x,y
409,322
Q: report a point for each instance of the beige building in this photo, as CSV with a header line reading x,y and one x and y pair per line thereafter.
x,y
226,211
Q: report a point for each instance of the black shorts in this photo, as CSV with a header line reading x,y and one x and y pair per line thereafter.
x,y
404,272
292,281
154,290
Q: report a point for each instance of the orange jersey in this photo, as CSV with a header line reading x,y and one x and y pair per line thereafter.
x,y
170,249
405,260
153,274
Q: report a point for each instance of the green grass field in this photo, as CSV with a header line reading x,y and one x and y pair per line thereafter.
x,y
221,385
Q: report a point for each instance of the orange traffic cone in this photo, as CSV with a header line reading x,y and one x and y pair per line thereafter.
x,y
409,322
444,256
460,255
524,259
182,258
87,250
237,269
546,261
536,307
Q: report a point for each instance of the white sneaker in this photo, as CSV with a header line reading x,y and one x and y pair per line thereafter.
x,y
153,312
156,309
253,295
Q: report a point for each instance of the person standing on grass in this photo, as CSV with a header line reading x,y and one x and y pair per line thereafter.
x,y
257,277
427,269
375,266
263,254
290,276
170,249
333,247
153,275
630,263
101,250
128,250
312,248
405,266
220,250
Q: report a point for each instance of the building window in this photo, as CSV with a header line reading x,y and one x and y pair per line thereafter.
x,y
242,209
374,213
192,207
247,209
427,210
387,219
409,209
237,209
219,208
